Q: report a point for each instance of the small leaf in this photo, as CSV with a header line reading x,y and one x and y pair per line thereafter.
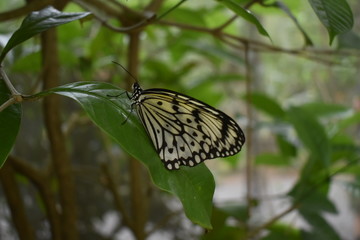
x,y
238,211
38,22
321,109
267,104
193,186
246,14
285,146
349,121
311,133
336,15
10,119
320,228
281,231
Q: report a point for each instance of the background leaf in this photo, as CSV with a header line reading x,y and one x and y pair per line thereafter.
x,y
38,22
267,105
335,15
246,14
311,133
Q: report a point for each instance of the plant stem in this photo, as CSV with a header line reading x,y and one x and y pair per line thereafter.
x,y
7,103
13,91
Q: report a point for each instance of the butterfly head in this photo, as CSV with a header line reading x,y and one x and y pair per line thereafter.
x,y
136,91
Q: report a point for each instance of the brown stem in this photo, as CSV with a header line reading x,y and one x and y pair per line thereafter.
x,y
29,7
59,155
113,188
15,202
42,183
249,132
138,181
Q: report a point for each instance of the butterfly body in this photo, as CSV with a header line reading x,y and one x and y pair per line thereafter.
x,y
184,130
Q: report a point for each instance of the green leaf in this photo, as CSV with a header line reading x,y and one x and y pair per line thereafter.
x,y
335,15
267,104
317,201
349,121
282,231
10,119
344,148
38,22
285,146
311,133
321,109
193,186
225,232
320,228
238,211
246,14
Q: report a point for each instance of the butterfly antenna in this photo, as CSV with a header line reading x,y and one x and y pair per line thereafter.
x,y
132,76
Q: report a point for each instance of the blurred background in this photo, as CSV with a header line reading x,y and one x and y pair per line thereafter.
x,y
282,91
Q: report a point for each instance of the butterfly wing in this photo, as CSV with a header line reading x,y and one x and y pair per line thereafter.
x,y
186,131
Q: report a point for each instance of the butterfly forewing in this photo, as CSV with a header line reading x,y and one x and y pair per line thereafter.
x,y
185,131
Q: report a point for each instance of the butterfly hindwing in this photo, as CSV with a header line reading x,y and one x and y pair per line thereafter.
x,y
185,131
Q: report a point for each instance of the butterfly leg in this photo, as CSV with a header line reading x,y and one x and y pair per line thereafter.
x,y
127,117
118,95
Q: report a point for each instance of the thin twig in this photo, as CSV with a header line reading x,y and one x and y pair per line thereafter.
x,y
119,205
249,131
15,95
7,103
8,83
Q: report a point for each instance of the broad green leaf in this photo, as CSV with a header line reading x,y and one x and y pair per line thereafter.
x,y
272,159
193,186
267,105
281,231
344,148
320,228
238,211
246,14
349,121
225,232
311,133
10,119
321,109
38,22
335,15
318,201
285,146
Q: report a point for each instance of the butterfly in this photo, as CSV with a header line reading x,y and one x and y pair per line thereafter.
x,y
184,130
